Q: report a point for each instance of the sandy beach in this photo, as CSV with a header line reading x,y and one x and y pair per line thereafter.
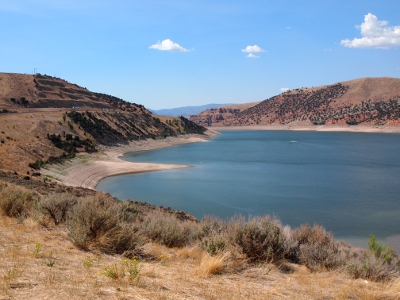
x,y
88,169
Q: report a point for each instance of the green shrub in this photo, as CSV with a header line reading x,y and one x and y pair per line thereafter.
x,y
260,238
16,203
381,251
378,264
315,248
57,206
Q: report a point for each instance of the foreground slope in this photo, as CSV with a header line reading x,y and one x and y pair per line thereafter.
x,y
365,101
58,242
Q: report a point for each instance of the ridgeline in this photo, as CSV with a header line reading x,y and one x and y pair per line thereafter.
x,y
365,101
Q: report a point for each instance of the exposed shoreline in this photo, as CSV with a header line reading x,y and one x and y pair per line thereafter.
x,y
325,128
87,170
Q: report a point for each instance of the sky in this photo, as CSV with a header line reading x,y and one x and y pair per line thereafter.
x,y
174,53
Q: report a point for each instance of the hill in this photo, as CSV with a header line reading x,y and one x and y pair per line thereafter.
x,y
365,101
44,118
217,115
185,111
23,91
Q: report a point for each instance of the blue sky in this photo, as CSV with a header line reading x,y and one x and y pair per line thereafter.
x,y
166,54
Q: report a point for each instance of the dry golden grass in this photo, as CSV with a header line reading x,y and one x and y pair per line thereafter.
x,y
55,269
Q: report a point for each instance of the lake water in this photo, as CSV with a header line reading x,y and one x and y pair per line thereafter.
x,y
347,182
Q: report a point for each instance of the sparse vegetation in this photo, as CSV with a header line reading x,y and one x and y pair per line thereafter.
x,y
102,224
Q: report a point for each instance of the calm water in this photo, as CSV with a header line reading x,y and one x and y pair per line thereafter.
x,y
347,182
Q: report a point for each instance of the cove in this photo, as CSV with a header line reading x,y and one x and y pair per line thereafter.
x,y
347,182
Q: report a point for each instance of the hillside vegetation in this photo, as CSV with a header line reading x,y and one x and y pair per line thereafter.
x,y
45,118
366,101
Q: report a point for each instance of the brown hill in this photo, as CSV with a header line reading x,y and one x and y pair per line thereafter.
x,y
41,91
43,118
366,101
214,116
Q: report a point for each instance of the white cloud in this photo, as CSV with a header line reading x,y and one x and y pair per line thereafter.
x,y
284,90
251,55
375,34
168,45
252,49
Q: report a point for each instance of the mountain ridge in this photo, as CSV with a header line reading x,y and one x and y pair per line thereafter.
x,y
185,111
366,101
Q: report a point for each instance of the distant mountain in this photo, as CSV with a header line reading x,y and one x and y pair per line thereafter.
x,y
367,101
212,116
185,111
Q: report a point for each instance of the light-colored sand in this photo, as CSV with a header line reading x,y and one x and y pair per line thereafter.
x,y
87,170
359,128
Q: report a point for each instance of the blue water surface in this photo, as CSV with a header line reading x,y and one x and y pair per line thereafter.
x,y
347,182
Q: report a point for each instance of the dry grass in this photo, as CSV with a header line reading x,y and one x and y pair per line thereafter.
x,y
57,271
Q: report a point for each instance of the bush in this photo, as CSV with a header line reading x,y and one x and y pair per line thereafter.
x,y
260,238
378,264
57,206
96,223
167,230
315,248
372,268
381,251
15,203
213,236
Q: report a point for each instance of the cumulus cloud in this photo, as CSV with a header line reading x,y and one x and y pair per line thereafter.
x,y
284,90
251,55
168,45
252,49
375,34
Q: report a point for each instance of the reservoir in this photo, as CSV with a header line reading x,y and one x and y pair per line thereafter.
x,y
347,182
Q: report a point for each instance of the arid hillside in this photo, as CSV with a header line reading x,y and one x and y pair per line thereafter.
x,y
44,118
218,115
21,91
365,101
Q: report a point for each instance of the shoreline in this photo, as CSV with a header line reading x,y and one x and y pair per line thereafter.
x,y
88,169
323,128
